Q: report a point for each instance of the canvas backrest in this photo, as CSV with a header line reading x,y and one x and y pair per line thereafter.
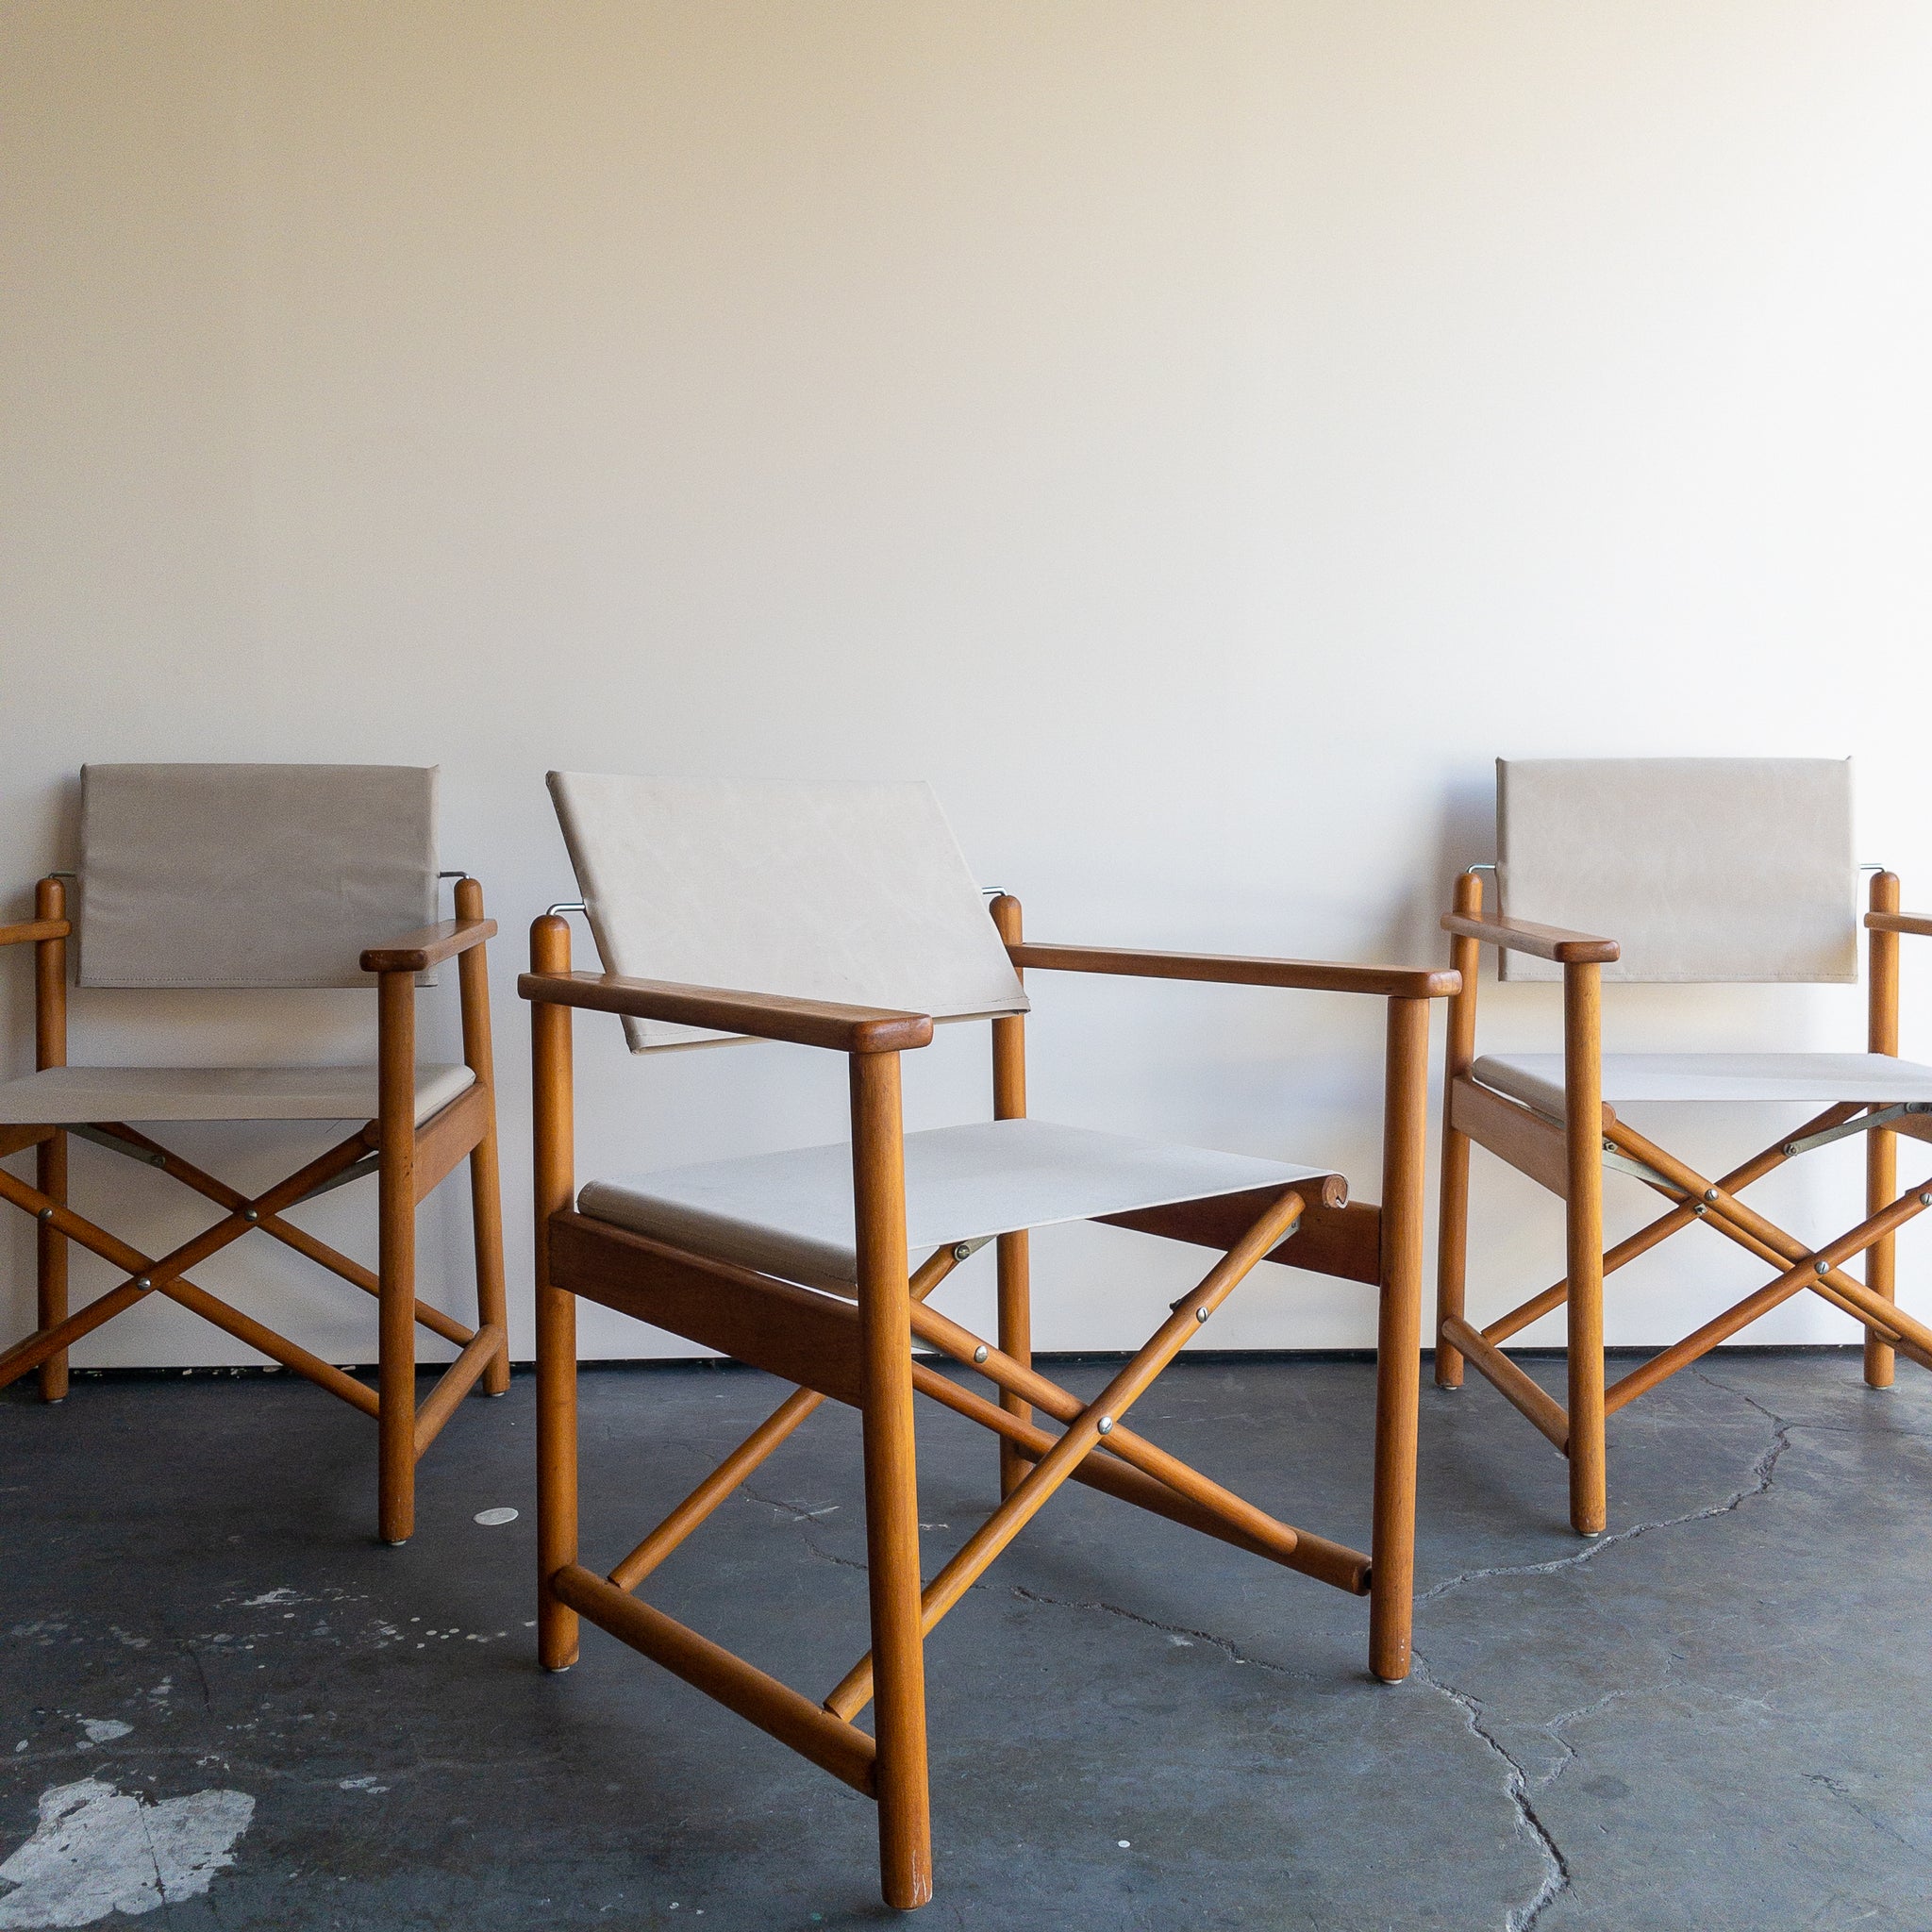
x,y
854,893
251,876
1700,869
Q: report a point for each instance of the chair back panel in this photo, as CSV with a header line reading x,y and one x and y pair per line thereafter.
x,y
855,892
1700,869
245,876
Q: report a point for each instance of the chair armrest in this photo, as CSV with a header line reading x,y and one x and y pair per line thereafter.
x,y
766,1016
30,930
1917,923
1312,975
430,945
1546,941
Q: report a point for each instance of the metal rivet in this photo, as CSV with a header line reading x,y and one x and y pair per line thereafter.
x,y
142,1281
1824,1267
1700,1208
1104,1423
46,1214
249,1214
1790,1148
1925,1200
979,1353
1710,1193
1200,1314
962,1251
157,1160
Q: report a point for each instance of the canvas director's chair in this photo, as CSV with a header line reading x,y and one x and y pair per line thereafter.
x,y
843,917
1702,870
252,877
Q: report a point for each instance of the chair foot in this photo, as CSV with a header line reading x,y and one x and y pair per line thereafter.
x,y
396,1543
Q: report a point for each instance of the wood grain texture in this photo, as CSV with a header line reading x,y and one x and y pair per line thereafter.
x,y
1309,975
430,945
1556,942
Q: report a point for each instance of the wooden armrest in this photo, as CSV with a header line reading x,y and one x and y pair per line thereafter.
x,y
1917,923
430,945
1546,941
766,1016
29,930
1313,975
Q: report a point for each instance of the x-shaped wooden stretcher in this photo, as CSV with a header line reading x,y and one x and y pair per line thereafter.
x,y
445,1140
1094,1447
1536,1146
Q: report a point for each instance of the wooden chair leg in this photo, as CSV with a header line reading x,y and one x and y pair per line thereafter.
x,y
486,1212
1398,1340
1881,1149
1452,1239
50,1176
557,1309
892,1482
395,1421
1584,1232
1016,1340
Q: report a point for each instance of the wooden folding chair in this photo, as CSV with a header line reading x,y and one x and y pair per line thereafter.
x,y
268,876
843,917
1704,870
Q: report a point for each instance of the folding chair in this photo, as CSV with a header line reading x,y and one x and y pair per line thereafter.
x,y
1710,870
268,876
843,917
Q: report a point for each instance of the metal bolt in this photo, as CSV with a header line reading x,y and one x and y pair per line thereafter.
x,y
249,1214
1824,1267
1790,1148
962,1251
46,1214
1200,1314
1710,1193
1104,1423
979,1353
1925,1200
1700,1208
142,1281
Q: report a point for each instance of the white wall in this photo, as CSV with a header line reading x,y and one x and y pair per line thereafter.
x,y
1198,436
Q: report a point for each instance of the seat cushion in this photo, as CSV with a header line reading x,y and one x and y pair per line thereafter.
x,y
63,1096
791,1214
1810,1079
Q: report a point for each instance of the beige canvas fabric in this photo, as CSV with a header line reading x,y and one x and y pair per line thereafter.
x,y
791,1214
241,876
854,893
1700,869
62,1096
1812,1079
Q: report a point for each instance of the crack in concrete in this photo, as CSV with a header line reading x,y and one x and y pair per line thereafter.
x,y
1842,1792
1227,1646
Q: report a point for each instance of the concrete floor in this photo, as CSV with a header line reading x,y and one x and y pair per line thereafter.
x,y
1712,1718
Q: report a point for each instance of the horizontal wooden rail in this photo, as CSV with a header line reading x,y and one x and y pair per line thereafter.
x,y
1541,1407
1230,969
1524,936
449,1134
1916,923
1527,1141
803,1023
813,1732
12,1139
29,931
428,946
454,1384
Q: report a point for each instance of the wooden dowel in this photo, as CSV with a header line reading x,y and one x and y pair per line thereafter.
x,y
891,1479
486,1188
1541,1407
50,1157
1881,1147
396,1263
1583,1222
1398,1335
552,1121
848,1754
1452,1243
276,1347
455,1383
1014,1252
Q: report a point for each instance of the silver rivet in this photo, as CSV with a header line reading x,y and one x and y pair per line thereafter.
x,y
1700,1208
249,1214
142,1281
1200,1314
979,1353
1925,1200
46,1214
1824,1267
1710,1193
963,1251
1104,1423
157,1160
1790,1148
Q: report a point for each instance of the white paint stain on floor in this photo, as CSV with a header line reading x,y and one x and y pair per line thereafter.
x,y
98,1850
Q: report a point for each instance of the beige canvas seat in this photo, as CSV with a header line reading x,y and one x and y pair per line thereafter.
x,y
843,917
244,876
1703,869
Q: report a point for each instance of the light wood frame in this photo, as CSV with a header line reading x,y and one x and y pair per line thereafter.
x,y
1568,1157
859,1351
408,1161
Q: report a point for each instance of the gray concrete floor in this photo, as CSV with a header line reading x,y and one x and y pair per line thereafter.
x,y
1714,1717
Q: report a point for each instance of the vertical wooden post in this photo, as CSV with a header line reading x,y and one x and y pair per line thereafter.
x,y
395,1421
1583,1133
891,1479
1881,1148
1452,1239
50,1157
1015,1259
554,1108
486,1193
1398,1337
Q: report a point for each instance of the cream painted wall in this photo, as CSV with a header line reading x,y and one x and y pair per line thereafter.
x,y
1197,436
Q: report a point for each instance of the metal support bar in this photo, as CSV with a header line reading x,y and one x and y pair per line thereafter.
x,y
1615,1159
360,1171
1865,1123
115,1145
